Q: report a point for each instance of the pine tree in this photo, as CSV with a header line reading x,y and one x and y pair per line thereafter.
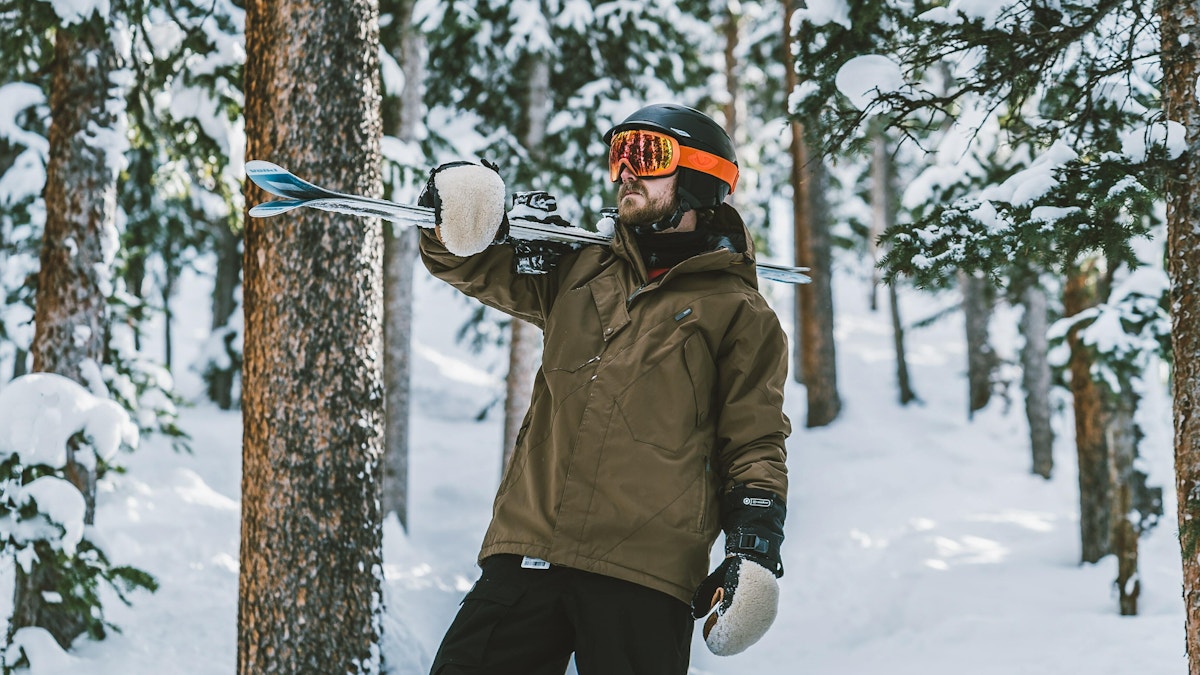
x,y
1180,35
310,581
1075,177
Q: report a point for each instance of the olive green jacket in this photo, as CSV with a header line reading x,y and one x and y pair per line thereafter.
x,y
651,399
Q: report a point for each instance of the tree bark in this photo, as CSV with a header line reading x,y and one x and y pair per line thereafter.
x,y
883,216
80,195
399,259
224,303
309,584
1035,379
1180,38
730,107
818,358
1123,436
981,360
525,340
1091,423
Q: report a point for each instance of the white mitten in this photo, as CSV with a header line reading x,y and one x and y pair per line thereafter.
x,y
468,205
745,596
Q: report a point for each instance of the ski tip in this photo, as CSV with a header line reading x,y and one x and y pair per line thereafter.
x,y
274,208
259,166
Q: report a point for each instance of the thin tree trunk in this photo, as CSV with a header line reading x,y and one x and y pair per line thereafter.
x,y
818,359
313,396
981,360
228,275
80,196
1180,35
399,259
883,216
731,28
1091,423
1035,379
799,156
20,365
1122,439
525,340
903,382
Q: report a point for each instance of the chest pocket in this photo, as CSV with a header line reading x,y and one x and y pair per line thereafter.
x,y
667,404
574,338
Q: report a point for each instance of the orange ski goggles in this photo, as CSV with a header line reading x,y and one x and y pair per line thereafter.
x,y
651,154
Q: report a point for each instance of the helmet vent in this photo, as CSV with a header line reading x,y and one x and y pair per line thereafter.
x,y
681,132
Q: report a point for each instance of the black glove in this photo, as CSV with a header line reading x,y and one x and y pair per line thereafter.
x,y
743,589
532,256
468,205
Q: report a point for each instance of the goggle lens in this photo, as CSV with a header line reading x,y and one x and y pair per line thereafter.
x,y
650,154
646,153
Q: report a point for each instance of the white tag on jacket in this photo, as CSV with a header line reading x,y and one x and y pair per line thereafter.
x,y
534,564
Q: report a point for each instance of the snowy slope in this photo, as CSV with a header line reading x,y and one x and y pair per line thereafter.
x,y
917,542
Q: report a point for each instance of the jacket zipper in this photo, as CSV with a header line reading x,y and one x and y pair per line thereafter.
x,y
636,292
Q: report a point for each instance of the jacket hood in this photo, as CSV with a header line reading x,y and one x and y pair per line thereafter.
x,y
734,252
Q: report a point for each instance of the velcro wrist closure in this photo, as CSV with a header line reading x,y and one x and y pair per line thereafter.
x,y
753,524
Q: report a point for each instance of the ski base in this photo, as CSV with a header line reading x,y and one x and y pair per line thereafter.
x,y
297,193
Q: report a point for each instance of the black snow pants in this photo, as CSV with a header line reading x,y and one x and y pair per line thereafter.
x,y
518,621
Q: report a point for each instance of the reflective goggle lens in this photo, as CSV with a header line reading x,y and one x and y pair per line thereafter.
x,y
646,153
649,154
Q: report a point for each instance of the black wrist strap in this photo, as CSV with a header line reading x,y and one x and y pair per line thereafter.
x,y
753,523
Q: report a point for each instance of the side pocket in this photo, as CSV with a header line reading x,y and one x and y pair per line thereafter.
x,y
486,606
701,369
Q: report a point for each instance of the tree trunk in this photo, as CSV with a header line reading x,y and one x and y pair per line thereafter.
x,y
1091,423
309,584
903,382
81,208
399,259
80,197
1180,35
796,179
224,303
730,108
525,340
818,362
1122,439
1035,379
883,216
981,360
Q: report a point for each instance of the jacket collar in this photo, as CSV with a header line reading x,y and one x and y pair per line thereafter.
x,y
728,257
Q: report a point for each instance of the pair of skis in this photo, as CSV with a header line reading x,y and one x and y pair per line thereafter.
x,y
297,192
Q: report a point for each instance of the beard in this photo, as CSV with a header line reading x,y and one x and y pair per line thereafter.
x,y
647,213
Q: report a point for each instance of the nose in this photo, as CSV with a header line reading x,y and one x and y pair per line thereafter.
x,y
626,174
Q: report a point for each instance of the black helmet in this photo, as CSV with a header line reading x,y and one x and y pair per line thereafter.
x,y
693,129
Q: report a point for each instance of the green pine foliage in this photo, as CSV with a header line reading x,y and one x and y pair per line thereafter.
x,y
606,59
181,102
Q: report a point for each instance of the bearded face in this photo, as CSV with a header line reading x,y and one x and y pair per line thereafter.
x,y
644,201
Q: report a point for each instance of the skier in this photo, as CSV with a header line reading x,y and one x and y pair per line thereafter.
x,y
656,420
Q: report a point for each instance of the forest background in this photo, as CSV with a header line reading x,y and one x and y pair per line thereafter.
x,y
1022,170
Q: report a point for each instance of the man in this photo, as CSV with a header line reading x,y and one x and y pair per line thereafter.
x,y
656,420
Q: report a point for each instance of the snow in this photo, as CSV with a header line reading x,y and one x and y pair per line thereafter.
x,y
44,655
821,12
15,97
61,503
1025,186
918,542
39,412
77,11
863,78
1136,142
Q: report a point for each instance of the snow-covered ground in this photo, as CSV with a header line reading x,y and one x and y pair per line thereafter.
x,y
917,541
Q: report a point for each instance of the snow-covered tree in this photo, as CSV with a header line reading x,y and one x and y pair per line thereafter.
x,y
1064,149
